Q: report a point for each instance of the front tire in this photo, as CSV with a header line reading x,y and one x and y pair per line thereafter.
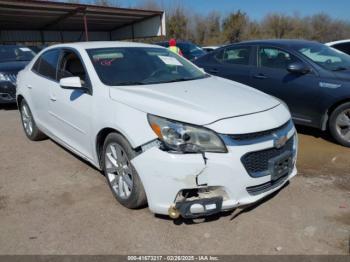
x,y
30,128
120,174
339,124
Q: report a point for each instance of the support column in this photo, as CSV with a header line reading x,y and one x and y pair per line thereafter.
x,y
86,28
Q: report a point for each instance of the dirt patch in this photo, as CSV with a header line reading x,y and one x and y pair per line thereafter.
x,y
66,198
330,175
343,182
343,218
3,202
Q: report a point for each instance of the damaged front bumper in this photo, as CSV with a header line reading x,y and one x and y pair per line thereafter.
x,y
197,185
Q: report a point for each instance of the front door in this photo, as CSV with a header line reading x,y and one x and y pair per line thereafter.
x,y
299,91
71,108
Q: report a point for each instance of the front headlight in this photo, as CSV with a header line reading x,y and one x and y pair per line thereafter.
x,y
4,77
186,138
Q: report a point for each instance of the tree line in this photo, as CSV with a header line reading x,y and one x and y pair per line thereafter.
x,y
215,28
237,26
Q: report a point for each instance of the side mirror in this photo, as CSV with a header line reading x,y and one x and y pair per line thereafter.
x,y
298,68
72,82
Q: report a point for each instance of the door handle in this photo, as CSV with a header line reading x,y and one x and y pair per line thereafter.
x,y
52,98
260,76
213,71
29,86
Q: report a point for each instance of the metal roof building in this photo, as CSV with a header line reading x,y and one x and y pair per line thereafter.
x,y
47,21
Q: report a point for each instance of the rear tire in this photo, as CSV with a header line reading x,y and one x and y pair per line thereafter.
x,y
339,124
29,126
120,174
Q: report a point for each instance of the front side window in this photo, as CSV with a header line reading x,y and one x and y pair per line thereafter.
x,y
325,56
71,65
46,65
141,66
275,58
234,55
15,53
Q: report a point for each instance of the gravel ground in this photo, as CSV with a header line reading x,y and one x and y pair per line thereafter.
x,y
52,202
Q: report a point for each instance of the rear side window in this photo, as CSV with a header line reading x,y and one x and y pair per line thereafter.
x,y
71,65
237,55
46,65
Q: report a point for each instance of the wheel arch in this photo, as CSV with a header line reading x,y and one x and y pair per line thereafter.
x,y
19,100
101,137
330,111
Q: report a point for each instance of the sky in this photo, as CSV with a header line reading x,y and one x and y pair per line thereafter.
x,y
257,9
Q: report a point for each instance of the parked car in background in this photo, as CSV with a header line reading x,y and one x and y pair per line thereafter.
x,y
190,149
188,49
341,45
13,58
37,48
209,49
312,78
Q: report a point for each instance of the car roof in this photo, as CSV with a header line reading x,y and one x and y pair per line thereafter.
x,y
102,44
338,42
177,41
13,45
278,42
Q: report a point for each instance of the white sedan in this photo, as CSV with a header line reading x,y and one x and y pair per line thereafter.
x,y
162,131
341,45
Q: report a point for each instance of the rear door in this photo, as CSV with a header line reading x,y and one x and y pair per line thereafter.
x,y
299,91
41,85
232,62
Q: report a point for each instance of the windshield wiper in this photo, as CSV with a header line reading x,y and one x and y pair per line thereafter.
x,y
185,79
178,80
129,83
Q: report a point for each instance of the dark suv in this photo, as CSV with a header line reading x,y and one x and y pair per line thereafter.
x,y
13,59
311,78
188,49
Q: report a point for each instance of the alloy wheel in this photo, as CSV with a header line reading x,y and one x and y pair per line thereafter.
x,y
343,125
27,120
118,170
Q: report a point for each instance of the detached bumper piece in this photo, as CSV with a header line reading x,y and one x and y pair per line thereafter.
x,y
199,207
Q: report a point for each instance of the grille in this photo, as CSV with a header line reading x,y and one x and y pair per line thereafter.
x,y
8,88
258,161
12,77
256,190
260,134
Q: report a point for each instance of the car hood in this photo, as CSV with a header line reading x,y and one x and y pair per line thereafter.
x,y
13,66
198,102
